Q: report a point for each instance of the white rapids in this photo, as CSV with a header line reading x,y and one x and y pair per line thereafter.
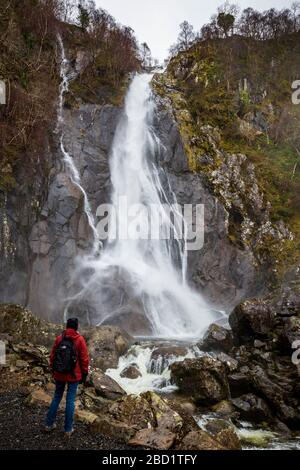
x,y
154,371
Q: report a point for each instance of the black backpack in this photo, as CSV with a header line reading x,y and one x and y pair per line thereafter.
x,y
65,356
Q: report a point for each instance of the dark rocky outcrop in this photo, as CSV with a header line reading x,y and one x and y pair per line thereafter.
x,y
217,338
251,319
204,379
252,408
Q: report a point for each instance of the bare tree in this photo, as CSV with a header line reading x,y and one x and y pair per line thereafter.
x,y
295,9
186,35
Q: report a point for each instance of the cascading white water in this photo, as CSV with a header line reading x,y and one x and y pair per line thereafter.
x,y
69,162
155,270
154,372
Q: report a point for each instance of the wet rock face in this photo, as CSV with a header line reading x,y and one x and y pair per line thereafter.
x,y
46,227
223,272
204,379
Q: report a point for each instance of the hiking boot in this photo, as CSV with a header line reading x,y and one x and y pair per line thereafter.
x,y
50,428
68,434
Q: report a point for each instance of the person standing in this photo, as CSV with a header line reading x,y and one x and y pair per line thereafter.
x,y
69,362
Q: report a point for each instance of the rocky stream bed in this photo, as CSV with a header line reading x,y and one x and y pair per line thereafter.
x,y
235,389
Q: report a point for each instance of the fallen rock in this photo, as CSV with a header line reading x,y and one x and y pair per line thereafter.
x,y
229,439
106,344
204,379
199,440
124,418
131,372
35,355
252,408
157,438
165,417
217,338
251,319
240,383
93,402
230,363
39,396
112,428
106,387
224,432
224,408
133,410
85,416
21,364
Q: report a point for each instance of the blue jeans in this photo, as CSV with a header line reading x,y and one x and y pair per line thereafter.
x,y
70,404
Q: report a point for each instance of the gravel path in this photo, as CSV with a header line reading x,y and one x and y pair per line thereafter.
x,y
21,427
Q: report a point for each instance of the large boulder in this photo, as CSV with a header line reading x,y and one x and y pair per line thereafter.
x,y
217,338
106,387
106,344
131,372
204,379
143,421
124,418
224,432
157,438
252,408
277,391
199,440
165,417
168,424
251,319
240,383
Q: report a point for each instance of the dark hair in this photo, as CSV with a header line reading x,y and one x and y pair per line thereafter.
x,y
72,323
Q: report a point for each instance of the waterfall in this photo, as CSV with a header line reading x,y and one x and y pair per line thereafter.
x,y
151,272
68,160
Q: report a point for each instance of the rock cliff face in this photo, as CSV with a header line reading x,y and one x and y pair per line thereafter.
x,y
45,228
224,273
41,244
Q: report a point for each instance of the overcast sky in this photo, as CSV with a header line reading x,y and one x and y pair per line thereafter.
x,y
157,21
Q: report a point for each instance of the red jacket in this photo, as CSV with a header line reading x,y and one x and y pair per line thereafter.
x,y
82,363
